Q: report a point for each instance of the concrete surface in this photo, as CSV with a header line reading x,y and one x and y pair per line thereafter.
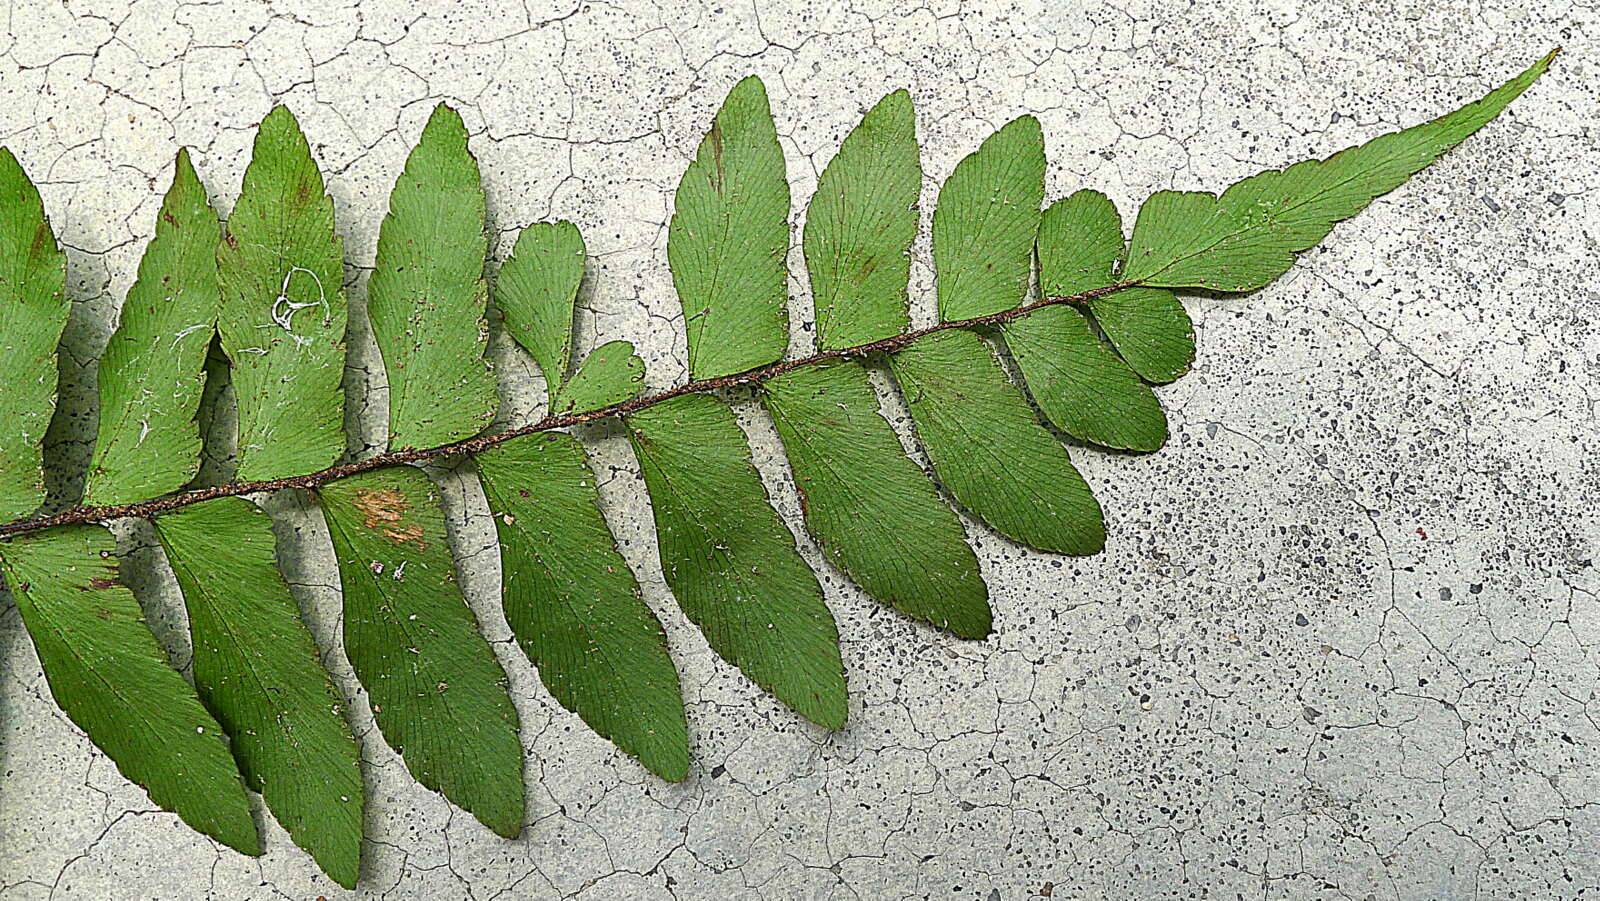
x,y
1344,642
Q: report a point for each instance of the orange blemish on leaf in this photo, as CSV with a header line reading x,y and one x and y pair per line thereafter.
x,y
384,510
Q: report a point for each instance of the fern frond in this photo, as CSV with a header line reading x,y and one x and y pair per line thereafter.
x,y
263,713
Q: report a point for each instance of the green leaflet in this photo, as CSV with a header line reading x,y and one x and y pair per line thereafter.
x,y
426,296
986,221
1250,235
871,509
574,605
731,561
109,675
1150,329
611,374
860,225
259,673
728,238
537,289
436,689
152,371
1080,385
990,451
33,312
283,309
1080,243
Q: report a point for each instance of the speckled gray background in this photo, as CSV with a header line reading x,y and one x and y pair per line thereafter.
x,y
1344,641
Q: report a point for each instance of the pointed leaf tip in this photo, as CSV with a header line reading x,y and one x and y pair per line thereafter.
x,y
1250,235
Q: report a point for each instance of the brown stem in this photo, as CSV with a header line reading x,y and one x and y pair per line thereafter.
x,y
145,509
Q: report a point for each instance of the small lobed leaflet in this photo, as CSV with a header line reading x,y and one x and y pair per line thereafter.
x,y
1079,381
1080,247
986,222
537,292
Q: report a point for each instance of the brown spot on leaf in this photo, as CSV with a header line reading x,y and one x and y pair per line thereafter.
x,y
42,241
719,173
384,510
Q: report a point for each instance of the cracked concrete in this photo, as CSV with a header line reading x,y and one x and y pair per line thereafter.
x,y
1344,641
